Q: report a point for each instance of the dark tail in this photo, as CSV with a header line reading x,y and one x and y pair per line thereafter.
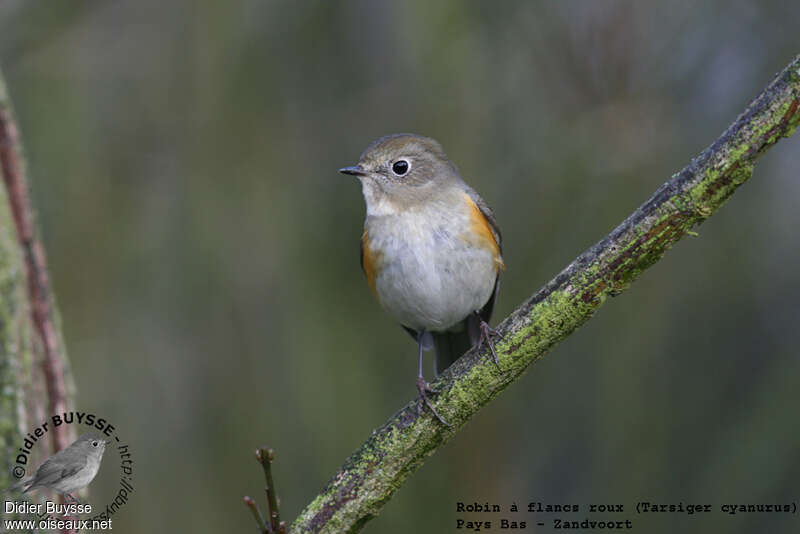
x,y
450,346
20,485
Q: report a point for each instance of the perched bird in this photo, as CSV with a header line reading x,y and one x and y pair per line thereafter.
x,y
431,248
70,469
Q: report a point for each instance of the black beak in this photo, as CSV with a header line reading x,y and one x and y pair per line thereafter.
x,y
356,170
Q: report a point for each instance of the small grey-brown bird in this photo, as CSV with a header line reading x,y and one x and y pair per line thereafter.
x,y
431,248
69,469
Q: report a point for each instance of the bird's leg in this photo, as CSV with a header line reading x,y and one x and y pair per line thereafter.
x,y
486,338
423,387
70,499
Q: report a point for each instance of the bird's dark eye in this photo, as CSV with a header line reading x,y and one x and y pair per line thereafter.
x,y
94,444
400,167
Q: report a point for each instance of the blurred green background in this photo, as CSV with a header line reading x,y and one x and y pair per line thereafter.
x,y
204,250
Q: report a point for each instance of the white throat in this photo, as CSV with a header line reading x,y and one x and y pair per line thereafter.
x,y
377,202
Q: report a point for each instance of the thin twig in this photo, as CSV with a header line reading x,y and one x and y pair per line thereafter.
x,y
262,526
265,458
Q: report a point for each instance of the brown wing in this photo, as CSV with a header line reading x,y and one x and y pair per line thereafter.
x,y
486,211
55,469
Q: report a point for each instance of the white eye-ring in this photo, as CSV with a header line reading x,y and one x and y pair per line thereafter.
x,y
401,166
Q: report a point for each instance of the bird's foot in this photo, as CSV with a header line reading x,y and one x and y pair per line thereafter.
x,y
423,388
487,332
68,516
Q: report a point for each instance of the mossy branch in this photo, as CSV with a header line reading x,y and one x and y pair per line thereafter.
x,y
375,471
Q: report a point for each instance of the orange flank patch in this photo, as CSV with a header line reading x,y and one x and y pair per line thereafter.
x,y
481,233
369,262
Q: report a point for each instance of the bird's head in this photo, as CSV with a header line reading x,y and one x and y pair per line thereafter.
x,y
401,171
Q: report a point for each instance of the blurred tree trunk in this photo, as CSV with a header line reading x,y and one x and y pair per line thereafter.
x,y
16,355
34,380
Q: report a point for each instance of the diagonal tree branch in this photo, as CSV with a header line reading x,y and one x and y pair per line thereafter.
x,y
374,472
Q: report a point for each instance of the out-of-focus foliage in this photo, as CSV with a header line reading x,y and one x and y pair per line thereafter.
x,y
205,251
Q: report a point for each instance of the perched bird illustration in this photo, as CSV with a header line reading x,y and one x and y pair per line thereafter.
x,y
70,469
